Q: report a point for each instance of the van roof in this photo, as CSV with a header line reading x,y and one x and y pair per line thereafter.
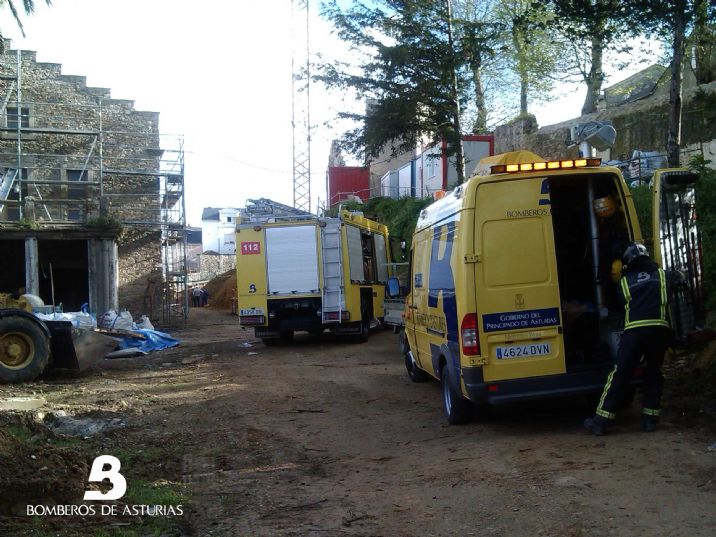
x,y
455,200
511,157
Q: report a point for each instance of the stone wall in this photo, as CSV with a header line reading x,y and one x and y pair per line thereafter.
x,y
140,273
68,123
641,125
212,263
66,116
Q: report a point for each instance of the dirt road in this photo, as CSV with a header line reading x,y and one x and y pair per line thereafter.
x,y
330,438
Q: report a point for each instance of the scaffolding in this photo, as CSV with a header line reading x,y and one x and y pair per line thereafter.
x,y
82,160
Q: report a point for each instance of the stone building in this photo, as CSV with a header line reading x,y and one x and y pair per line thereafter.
x,y
638,108
91,195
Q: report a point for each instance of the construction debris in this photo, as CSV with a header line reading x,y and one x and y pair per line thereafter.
x,y
22,403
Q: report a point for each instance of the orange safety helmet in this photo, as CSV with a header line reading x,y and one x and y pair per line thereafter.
x,y
604,207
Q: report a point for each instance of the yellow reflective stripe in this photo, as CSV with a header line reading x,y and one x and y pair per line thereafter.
x,y
662,281
646,322
651,411
600,411
627,299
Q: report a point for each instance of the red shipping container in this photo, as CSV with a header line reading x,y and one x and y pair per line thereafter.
x,y
345,181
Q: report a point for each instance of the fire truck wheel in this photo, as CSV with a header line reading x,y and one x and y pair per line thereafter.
x,y
24,349
362,336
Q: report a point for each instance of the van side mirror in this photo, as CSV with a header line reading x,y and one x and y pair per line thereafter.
x,y
393,287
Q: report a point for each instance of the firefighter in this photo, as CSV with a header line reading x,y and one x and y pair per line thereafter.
x,y
613,239
646,333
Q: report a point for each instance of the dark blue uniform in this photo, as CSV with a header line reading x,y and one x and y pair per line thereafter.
x,y
646,333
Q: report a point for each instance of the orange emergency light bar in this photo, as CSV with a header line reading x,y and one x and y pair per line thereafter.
x,y
552,165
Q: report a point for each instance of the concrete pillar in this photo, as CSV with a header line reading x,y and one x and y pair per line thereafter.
x,y
103,269
32,267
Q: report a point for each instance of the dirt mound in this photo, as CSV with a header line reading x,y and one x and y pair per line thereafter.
x,y
222,290
33,472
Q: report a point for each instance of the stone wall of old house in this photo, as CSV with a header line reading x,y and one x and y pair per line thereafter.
x,y
68,116
212,263
71,122
140,272
641,125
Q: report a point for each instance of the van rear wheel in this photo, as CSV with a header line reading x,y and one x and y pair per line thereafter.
x,y
457,409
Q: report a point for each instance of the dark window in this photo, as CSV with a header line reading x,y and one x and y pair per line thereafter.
x,y
13,212
79,192
11,112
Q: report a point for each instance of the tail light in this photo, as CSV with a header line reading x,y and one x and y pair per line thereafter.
x,y
470,335
334,316
251,319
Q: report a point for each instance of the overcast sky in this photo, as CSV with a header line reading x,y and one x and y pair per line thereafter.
x,y
218,72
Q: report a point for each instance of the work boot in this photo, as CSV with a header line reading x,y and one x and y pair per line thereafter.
x,y
596,425
648,423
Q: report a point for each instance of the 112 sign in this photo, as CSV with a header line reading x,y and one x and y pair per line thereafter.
x,y
250,248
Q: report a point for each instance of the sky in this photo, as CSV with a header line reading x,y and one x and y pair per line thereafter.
x,y
219,73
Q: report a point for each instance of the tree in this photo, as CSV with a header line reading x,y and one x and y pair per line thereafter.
x,y
704,43
28,7
673,19
534,56
410,71
480,37
592,28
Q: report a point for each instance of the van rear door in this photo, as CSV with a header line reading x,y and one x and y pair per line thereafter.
x,y
518,302
677,245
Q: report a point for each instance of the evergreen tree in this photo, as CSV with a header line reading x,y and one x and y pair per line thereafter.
x,y
410,69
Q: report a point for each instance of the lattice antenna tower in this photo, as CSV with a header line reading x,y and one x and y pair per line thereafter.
x,y
300,105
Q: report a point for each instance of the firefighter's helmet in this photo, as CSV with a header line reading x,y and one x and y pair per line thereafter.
x,y
633,251
605,206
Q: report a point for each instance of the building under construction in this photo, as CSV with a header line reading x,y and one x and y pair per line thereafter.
x,y
91,196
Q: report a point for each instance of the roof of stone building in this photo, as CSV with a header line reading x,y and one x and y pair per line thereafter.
x,y
636,87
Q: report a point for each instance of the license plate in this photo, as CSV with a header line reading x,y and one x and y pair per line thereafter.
x,y
521,351
257,311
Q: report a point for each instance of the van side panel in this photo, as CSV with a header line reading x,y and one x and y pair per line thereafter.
x,y
441,322
518,299
416,327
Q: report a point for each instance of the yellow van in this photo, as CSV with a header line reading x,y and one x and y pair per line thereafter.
x,y
513,283
311,274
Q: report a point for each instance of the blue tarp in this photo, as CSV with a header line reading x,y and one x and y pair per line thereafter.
x,y
155,341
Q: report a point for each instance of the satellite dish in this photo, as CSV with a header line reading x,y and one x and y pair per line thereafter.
x,y
599,135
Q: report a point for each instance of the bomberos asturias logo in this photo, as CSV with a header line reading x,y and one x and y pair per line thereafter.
x,y
106,468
